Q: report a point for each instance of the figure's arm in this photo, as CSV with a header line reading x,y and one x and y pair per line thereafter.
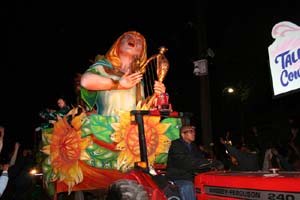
x,y
282,161
295,148
92,81
14,155
1,138
233,151
268,159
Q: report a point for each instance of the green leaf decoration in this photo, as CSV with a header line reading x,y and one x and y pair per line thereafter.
x,y
51,189
45,140
85,127
101,157
100,126
47,175
173,130
47,169
48,130
161,158
45,132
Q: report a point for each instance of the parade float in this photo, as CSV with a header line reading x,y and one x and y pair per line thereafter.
x,y
84,150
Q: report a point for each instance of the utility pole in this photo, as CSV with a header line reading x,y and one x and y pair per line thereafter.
x,y
201,70
205,106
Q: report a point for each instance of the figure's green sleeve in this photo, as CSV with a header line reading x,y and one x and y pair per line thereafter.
x,y
90,97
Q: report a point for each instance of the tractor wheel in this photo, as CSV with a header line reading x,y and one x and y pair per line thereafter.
x,y
126,190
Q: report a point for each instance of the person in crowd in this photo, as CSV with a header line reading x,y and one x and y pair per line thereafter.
x,y
113,82
12,163
50,116
64,108
294,139
185,160
208,152
267,161
24,183
246,157
289,152
4,175
6,165
253,137
4,178
280,160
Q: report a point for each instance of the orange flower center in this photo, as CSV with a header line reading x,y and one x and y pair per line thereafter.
x,y
68,146
132,141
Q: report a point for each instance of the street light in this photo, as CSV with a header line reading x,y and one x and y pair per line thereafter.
x,y
230,90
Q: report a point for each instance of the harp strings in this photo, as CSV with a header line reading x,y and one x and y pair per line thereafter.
x,y
155,68
149,77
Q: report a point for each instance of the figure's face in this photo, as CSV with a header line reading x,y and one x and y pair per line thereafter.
x,y
61,103
131,45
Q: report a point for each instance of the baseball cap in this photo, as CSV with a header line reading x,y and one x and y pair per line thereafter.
x,y
187,128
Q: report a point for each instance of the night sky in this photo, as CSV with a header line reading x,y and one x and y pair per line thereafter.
x,y
48,43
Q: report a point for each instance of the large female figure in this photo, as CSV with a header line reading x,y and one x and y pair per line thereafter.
x,y
112,82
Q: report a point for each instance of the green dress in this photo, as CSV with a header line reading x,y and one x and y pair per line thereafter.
x,y
109,101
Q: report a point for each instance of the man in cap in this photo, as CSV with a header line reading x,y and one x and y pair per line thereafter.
x,y
184,159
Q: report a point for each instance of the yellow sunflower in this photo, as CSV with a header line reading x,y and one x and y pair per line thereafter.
x,y
66,148
126,136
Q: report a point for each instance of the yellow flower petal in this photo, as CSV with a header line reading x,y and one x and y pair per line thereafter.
x,y
77,121
46,137
121,145
84,156
46,149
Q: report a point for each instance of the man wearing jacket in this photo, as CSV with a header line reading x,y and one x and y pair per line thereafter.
x,y
184,158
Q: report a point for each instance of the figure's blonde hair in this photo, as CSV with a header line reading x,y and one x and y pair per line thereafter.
x,y
113,54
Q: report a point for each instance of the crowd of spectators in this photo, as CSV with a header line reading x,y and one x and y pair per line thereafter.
x,y
256,152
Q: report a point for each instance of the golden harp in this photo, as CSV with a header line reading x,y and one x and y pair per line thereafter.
x,y
155,68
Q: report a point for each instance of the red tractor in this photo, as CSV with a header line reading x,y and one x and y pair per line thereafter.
x,y
226,185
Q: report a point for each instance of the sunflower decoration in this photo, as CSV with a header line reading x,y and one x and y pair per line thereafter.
x,y
65,147
126,136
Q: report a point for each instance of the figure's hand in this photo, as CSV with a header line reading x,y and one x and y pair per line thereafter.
x,y
52,121
222,141
159,87
128,81
1,133
17,145
275,152
5,167
269,155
